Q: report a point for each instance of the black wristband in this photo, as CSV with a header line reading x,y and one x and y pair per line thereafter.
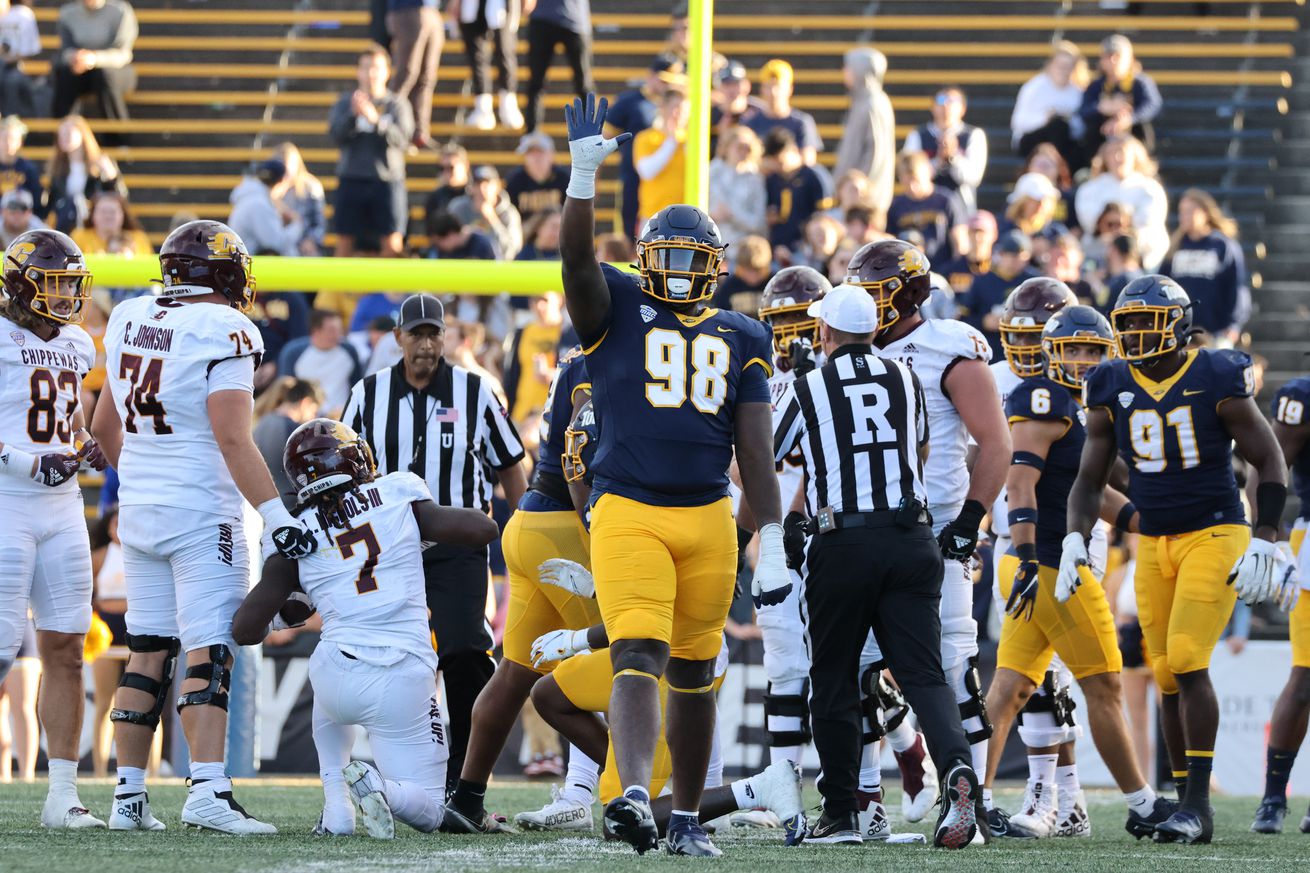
x,y
1124,519
743,538
1026,551
1270,498
971,515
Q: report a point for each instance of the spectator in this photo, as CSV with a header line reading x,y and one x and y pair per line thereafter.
x,y
324,357
794,191
373,127
453,174
19,39
679,39
958,151
78,170
288,403
491,33
465,340
941,299
868,142
737,197
614,248
371,307
1206,259
934,211
260,221
1123,264
417,37
1032,205
1050,163
1115,220
111,228
17,171
659,155
863,225
302,193
452,238
95,56
542,237
1125,174
632,112
1063,260
487,207
1048,101
852,189
841,260
382,339
730,99
281,316
538,185
774,110
551,24
981,305
823,234
960,272
751,270
1122,101
531,355
18,216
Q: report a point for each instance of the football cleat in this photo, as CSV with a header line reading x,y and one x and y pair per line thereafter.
x,y
1305,823
689,838
778,790
1036,818
67,813
918,781
457,822
1269,817
998,822
132,813
369,794
1185,826
629,819
957,824
843,830
874,824
213,810
1074,822
1144,825
561,814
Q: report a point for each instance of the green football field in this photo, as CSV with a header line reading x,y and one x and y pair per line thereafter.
x,y
293,805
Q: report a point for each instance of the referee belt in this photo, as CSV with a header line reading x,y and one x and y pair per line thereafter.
x,y
911,515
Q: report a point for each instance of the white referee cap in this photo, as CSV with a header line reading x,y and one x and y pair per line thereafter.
x,y
848,308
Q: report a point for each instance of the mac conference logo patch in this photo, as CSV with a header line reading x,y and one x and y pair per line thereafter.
x,y
1125,399
647,313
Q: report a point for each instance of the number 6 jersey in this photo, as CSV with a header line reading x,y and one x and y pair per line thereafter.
x,y
163,360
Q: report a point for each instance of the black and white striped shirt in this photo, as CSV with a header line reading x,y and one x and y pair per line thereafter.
x,y
452,433
859,421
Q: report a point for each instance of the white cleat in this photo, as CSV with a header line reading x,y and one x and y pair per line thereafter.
x,y
778,789
67,813
561,814
132,813
1036,819
510,116
369,793
1075,822
219,811
754,819
874,824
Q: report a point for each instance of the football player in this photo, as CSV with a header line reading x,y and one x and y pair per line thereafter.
x,y
44,355
678,386
181,379
1287,726
1048,434
1173,415
374,665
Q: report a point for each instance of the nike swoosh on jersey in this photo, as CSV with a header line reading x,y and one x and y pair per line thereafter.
x,y
722,329
1187,393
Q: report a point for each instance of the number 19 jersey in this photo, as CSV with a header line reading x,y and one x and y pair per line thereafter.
x,y
163,360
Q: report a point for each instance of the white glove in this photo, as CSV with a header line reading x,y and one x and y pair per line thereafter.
x,y
588,147
1073,554
772,581
558,645
569,575
1287,578
1252,577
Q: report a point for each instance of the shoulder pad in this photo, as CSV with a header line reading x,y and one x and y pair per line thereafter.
x,y
222,333
1290,402
959,340
406,485
1102,383
1038,399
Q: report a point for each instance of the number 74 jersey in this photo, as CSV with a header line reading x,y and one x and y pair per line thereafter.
x,y
1178,451
163,358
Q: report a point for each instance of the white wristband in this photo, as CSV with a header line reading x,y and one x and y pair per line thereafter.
x,y
771,542
17,462
579,642
275,514
582,184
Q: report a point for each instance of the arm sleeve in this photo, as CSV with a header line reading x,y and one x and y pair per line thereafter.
x,y
397,124
233,374
29,38
119,52
651,162
788,424
973,163
810,134
502,445
341,121
1028,114
1148,101
1235,285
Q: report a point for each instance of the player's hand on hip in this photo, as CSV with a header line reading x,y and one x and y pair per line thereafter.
x,y
1023,592
772,582
1073,557
569,575
558,645
1252,577
959,539
585,121
291,537
795,532
56,468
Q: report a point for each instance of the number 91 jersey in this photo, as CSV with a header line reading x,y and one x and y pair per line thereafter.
x,y
163,360
1178,451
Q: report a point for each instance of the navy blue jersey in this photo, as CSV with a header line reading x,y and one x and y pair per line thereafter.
x,y
1213,271
986,296
1040,399
792,201
571,379
933,216
1178,451
1290,409
666,387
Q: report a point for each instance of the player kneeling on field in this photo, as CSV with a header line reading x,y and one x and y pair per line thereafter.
x,y
374,665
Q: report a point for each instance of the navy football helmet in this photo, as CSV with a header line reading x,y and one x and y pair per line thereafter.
x,y
1152,317
679,255
1080,327
784,306
1027,310
895,274
580,440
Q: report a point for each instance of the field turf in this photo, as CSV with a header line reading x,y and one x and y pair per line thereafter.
x,y
293,805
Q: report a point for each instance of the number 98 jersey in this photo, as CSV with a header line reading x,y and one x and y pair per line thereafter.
x,y
1178,451
163,360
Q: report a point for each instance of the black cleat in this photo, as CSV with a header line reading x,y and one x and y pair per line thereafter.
x,y
842,830
961,799
998,822
1144,825
629,819
1269,817
456,822
1185,826
689,838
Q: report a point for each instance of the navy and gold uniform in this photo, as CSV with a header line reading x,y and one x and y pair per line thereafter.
x,y
1179,457
1290,409
546,526
1081,630
665,387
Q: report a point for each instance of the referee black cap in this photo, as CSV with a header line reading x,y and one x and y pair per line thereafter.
x,y
420,309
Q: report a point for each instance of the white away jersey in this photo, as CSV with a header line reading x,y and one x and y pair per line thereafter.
x,y
1006,380
40,389
161,356
366,579
930,349
791,475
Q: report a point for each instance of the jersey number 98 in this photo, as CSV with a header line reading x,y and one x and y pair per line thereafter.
x,y
668,365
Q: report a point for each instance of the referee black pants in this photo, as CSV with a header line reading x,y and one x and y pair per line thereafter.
x,y
889,580
456,582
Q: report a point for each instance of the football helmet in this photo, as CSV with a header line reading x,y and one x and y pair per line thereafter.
x,y
679,255
202,257
895,273
1152,317
1075,326
784,303
45,274
580,445
1026,311
325,459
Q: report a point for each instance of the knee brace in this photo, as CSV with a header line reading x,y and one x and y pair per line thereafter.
x,y
158,687
974,706
690,677
789,706
893,704
216,673
1047,718
869,703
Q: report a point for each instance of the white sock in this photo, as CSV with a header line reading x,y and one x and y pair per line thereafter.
x,y
1067,778
903,738
212,774
870,769
987,799
714,770
581,779
1041,768
63,776
637,792
1141,801
338,813
131,780
978,752
414,806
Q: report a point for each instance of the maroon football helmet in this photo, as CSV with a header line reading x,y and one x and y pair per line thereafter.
x,y
1026,312
784,305
325,459
46,275
204,256
895,273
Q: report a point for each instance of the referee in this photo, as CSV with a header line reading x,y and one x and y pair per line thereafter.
x,y
861,426
443,423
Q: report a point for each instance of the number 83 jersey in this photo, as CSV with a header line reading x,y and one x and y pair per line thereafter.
x,y
665,386
1178,451
163,359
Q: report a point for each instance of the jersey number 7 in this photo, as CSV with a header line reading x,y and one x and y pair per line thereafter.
x,y
347,540
145,376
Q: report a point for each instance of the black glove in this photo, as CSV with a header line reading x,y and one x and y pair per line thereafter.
x,y
92,454
1023,592
56,468
959,539
294,542
801,357
795,528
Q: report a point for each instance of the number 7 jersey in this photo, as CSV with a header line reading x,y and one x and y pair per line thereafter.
x,y
163,358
